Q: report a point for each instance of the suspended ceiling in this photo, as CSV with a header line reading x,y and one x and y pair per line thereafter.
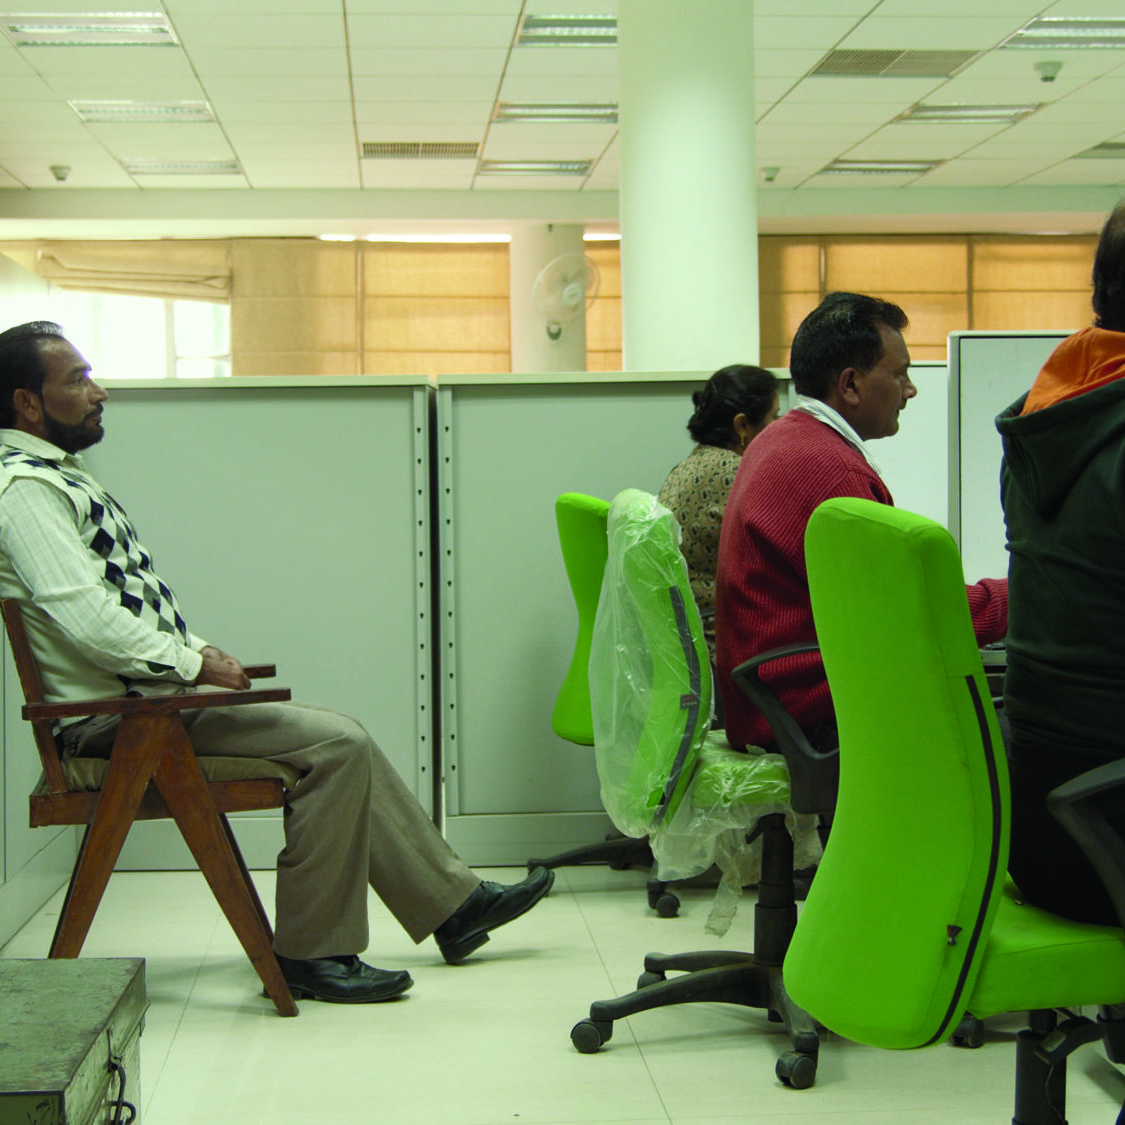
x,y
298,87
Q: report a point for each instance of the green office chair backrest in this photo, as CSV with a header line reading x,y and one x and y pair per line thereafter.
x,y
582,537
889,942
650,679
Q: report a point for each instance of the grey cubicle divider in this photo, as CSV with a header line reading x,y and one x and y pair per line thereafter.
x,y
292,518
507,447
987,372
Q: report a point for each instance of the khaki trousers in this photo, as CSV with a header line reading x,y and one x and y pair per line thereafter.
x,y
349,822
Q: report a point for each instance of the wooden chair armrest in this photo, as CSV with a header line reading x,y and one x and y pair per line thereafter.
x,y
153,704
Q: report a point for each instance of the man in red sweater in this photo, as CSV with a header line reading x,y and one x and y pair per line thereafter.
x,y
851,369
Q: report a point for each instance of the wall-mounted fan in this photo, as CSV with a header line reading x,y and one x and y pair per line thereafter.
x,y
565,288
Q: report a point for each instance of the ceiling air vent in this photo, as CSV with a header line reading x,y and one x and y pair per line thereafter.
x,y
1107,150
420,150
891,64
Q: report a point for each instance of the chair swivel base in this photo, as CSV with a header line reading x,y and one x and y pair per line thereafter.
x,y
711,976
620,853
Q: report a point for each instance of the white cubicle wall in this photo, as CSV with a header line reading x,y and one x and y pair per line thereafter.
x,y
291,516
988,371
506,448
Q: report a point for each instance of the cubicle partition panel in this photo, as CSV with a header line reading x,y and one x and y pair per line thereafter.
x,y
988,371
291,517
506,448
915,461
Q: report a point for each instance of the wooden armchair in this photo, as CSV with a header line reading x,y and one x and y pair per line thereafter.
x,y
153,773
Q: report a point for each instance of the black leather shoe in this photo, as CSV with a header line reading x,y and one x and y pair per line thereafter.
x,y
489,906
342,980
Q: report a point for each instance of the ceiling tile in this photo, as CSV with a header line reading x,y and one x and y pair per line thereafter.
x,y
235,62
403,30
499,148
469,88
278,89
235,114
403,113
293,132
931,33
785,32
198,30
437,7
168,63
896,94
194,183
549,89
435,62
1075,172
527,183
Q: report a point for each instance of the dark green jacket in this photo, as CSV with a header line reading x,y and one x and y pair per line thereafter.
x,y
1063,492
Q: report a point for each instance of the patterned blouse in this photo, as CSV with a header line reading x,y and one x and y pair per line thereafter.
x,y
696,492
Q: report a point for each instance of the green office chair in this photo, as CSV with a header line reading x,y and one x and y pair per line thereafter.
x,y
923,804
657,766
582,537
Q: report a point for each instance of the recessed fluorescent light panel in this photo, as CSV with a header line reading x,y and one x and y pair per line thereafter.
x,y
534,167
88,29
420,150
187,113
597,113
567,31
871,63
1072,32
879,167
181,167
968,114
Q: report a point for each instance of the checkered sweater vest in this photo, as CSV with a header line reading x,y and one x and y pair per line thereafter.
x,y
105,530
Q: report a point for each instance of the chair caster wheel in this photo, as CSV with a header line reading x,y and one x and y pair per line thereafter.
x,y
647,979
666,904
968,1033
796,1070
588,1035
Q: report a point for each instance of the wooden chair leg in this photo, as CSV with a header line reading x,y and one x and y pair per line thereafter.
x,y
131,765
181,784
246,876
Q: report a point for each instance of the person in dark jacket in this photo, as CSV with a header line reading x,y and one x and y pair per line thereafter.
x,y
1063,492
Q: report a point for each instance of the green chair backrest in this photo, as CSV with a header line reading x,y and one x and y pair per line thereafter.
x,y
650,679
582,537
889,942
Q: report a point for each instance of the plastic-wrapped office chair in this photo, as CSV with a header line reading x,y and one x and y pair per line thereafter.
x,y
651,689
581,522
924,804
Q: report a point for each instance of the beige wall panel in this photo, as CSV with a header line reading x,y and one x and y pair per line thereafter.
x,y
292,267
295,363
603,326
293,324
788,264
780,315
1030,264
1039,312
607,257
427,270
774,357
436,324
603,361
436,363
898,265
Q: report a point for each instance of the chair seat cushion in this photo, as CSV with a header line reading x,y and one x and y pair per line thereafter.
x,y
726,777
87,774
1036,959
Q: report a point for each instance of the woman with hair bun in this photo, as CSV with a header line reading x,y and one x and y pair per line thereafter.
x,y
731,409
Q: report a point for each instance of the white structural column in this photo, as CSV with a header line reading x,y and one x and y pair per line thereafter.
x,y
545,340
689,249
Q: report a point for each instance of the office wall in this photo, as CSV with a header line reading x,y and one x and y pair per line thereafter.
x,y
33,864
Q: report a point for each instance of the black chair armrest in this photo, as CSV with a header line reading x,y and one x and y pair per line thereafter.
x,y
1073,805
814,775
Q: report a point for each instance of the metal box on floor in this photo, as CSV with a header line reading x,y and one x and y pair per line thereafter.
x,y
70,1040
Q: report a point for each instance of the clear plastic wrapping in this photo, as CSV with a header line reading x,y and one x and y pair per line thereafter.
x,y
663,773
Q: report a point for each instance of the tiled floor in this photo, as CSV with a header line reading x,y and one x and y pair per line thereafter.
x,y
487,1042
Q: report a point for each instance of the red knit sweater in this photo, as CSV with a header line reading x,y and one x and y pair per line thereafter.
x,y
762,589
